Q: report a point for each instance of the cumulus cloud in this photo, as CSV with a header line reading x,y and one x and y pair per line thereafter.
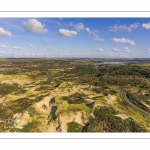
x,y
33,25
3,46
126,50
100,50
114,50
79,26
146,25
16,48
94,32
5,33
123,40
97,38
64,32
88,30
129,28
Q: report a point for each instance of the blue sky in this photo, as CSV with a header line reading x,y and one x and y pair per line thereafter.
x,y
75,37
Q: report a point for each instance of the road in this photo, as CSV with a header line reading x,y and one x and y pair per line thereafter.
x,y
133,105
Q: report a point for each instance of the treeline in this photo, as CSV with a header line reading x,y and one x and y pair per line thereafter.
x,y
123,70
104,120
119,80
82,70
120,75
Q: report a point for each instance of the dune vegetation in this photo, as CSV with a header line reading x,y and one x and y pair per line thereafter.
x,y
72,95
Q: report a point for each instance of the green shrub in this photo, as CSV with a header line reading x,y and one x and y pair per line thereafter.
x,y
106,121
74,127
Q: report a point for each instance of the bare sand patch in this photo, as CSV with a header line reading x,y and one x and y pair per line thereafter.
x,y
145,104
2,99
44,105
123,116
110,99
24,118
63,119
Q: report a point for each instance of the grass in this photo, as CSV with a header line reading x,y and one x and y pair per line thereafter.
x,y
142,64
64,107
83,62
32,87
20,79
79,107
3,59
129,111
76,98
33,112
31,127
27,94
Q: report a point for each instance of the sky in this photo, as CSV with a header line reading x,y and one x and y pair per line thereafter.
x,y
75,37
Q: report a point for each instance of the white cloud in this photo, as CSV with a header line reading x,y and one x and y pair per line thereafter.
x,y
31,45
100,50
148,49
5,33
1,52
123,40
97,38
129,28
126,50
94,32
114,50
91,32
79,26
33,25
3,46
88,30
64,32
146,25
16,48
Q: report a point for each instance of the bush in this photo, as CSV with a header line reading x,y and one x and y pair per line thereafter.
x,y
74,127
106,121
76,98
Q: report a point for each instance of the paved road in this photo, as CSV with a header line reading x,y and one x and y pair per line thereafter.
x,y
133,105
